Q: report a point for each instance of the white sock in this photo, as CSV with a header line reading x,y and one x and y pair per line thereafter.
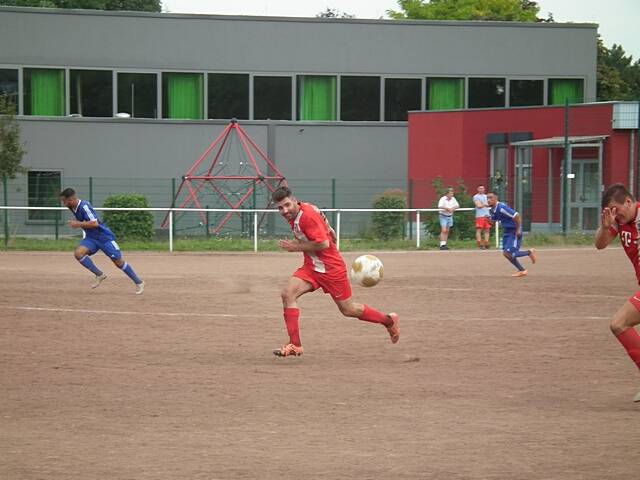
x,y
442,243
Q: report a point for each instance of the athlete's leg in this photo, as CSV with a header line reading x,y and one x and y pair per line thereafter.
x,y
349,308
83,252
479,236
112,250
486,238
623,326
295,288
127,269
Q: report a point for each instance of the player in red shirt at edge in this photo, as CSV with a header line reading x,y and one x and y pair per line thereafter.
x,y
621,217
323,268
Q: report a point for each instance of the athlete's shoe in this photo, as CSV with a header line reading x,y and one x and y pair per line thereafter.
x,y
637,397
532,255
289,350
98,280
394,329
139,288
520,273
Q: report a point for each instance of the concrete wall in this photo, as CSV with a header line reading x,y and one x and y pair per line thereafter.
x,y
296,45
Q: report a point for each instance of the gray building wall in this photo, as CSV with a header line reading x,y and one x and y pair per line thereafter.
x,y
371,153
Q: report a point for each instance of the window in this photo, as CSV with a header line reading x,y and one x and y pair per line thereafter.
x,y
524,93
44,92
317,97
400,96
359,98
9,85
182,95
91,93
272,98
138,94
228,96
486,92
561,90
445,93
43,188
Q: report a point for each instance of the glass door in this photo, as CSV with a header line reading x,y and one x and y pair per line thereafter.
x,y
523,186
498,174
584,199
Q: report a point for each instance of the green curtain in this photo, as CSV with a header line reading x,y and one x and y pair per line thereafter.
x,y
562,90
446,93
47,92
184,95
317,98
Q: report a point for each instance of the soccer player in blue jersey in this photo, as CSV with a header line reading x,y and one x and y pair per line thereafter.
x,y
96,236
512,232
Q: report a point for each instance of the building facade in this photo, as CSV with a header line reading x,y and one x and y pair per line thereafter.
x,y
131,95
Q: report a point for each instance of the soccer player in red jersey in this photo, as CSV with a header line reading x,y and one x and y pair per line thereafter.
x,y
323,268
621,217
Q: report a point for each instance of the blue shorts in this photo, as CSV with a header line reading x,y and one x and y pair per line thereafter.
x,y
511,243
446,221
109,247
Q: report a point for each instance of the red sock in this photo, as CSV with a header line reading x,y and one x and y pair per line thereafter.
x,y
371,315
291,316
630,340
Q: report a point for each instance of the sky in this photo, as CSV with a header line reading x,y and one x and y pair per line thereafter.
x,y
619,20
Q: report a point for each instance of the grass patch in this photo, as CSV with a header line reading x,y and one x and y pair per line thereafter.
x,y
271,245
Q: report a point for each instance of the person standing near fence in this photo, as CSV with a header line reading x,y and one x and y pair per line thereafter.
x,y
512,233
323,268
620,216
96,236
447,205
483,223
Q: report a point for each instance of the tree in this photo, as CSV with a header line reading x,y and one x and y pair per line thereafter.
x,y
125,5
618,76
334,13
11,151
502,10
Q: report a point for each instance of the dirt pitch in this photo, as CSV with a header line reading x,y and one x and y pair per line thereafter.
x,y
493,377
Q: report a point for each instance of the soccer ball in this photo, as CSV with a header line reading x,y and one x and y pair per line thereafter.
x,y
366,270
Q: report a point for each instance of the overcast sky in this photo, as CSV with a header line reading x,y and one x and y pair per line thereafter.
x,y
619,20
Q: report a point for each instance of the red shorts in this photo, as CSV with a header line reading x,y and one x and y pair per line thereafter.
x,y
635,300
483,223
335,284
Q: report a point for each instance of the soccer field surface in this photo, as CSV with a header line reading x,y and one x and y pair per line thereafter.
x,y
494,377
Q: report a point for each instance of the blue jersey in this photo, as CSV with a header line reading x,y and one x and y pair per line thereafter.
x,y
84,212
505,215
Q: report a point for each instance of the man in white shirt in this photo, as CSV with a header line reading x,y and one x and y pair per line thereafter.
x,y
447,205
483,225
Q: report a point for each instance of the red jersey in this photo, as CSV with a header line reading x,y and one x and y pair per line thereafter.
x,y
629,238
310,224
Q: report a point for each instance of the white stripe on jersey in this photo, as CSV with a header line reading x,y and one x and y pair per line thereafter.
x,y
318,265
88,212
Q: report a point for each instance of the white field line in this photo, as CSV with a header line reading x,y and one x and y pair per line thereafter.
x,y
229,315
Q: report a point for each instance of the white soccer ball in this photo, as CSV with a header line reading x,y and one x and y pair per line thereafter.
x,y
367,270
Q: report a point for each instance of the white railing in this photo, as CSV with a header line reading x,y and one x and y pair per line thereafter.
x,y
339,211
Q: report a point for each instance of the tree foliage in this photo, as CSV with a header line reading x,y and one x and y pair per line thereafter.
x,y
124,5
334,13
502,10
11,151
618,75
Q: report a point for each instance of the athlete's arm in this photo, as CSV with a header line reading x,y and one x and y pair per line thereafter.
x,y
83,224
296,245
518,220
604,235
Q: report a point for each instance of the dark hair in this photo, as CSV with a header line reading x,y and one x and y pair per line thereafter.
x,y
616,192
493,192
280,194
67,193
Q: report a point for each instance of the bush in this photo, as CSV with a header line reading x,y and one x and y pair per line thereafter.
x,y
388,225
464,227
129,225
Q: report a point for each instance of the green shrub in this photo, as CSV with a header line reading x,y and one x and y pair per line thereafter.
x,y
388,225
464,227
129,225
